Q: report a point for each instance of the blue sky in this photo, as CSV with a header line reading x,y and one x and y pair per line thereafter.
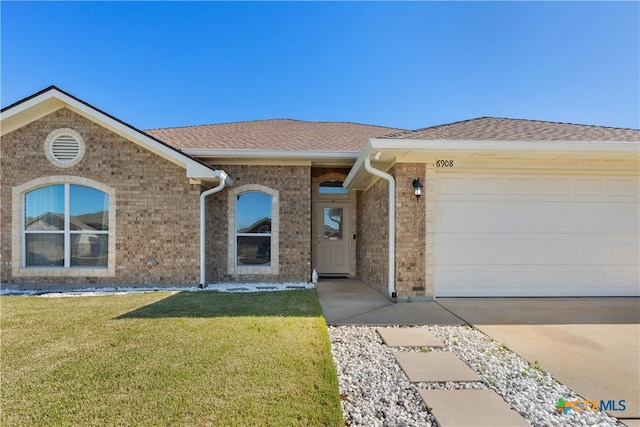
x,y
397,64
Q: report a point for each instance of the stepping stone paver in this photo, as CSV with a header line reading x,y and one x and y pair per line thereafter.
x,y
477,408
409,337
434,366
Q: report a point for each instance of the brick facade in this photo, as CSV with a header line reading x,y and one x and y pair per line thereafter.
x,y
373,235
414,276
293,184
156,214
410,231
156,206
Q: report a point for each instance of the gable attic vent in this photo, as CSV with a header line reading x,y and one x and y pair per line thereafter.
x,y
64,147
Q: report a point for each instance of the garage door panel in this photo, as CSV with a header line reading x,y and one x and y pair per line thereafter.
x,y
623,187
619,220
520,187
526,281
623,250
588,187
453,186
557,188
570,217
620,280
529,235
487,186
554,218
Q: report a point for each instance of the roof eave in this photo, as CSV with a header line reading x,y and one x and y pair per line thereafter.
x,y
390,151
269,154
52,99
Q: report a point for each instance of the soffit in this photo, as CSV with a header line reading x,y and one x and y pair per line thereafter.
x,y
384,153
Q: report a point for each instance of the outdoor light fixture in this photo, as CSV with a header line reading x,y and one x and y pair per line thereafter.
x,y
417,188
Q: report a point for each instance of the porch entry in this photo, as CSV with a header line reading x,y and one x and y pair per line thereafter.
x,y
332,256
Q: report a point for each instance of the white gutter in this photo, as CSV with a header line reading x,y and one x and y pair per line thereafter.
x,y
270,154
223,179
392,222
503,145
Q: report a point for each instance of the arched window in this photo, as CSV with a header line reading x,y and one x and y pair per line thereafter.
x,y
66,225
332,187
253,228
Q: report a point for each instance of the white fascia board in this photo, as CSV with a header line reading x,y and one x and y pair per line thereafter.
x,y
489,145
53,100
28,111
375,145
358,167
271,154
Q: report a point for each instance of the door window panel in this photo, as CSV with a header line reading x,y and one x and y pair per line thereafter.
x,y
333,223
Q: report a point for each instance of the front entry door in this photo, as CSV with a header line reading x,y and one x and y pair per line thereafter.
x,y
333,239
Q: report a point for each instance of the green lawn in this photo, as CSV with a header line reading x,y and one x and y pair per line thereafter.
x,y
167,358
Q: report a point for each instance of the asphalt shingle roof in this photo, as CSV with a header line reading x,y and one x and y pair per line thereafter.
x,y
277,134
298,135
500,129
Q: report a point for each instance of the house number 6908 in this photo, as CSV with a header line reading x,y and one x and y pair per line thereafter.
x,y
444,163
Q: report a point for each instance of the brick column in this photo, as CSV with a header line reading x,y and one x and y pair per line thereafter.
x,y
411,227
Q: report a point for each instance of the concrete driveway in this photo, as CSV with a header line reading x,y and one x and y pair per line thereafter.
x,y
592,345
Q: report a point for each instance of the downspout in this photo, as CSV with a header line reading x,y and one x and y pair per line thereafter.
x,y
203,196
392,223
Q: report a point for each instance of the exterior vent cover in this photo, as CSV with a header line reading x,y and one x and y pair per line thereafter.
x,y
64,147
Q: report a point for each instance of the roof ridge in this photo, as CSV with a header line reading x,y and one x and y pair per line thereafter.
x,y
409,132
556,122
273,120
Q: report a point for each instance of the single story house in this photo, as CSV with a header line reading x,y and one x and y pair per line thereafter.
x,y
482,207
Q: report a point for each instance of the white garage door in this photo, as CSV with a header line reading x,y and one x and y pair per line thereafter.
x,y
537,235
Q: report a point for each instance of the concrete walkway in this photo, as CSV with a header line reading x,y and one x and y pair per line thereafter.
x,y
351,302
592,345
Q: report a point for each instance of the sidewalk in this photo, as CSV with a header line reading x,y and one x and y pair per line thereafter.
x,y
351,302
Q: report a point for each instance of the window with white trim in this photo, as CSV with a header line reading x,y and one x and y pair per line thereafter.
x,y
253,229
66,225
254,226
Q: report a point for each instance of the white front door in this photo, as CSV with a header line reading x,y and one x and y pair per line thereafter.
x,y
332,238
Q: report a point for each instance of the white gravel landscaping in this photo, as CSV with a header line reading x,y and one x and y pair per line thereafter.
x,y
375,391
123,290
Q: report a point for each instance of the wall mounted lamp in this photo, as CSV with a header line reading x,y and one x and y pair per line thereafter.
x,y
417,188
